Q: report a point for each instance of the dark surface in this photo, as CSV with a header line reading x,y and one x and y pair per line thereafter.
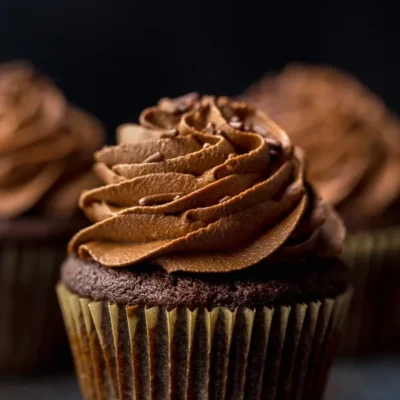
x,y
257,286
369,380
376,379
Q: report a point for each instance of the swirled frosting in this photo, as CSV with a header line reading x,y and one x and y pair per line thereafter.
x,y
203,185
351,139
46,146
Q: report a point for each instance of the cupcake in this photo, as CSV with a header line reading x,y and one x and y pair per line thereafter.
x,y
210,269
352,142
45,158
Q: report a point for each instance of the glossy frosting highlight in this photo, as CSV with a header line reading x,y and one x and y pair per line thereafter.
x,y
203,185
351,139
46,145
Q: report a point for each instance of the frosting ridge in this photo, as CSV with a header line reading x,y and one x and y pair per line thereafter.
x,y
203,185
45,145
350,137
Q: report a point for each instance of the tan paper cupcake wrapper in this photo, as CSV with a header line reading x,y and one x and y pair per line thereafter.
x,y
153,353
29,316
374,316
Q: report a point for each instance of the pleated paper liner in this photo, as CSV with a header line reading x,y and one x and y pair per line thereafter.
x,y
30,320
374,317
153,353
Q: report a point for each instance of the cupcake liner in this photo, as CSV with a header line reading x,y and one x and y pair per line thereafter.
x,y
140,352
374,316
29,319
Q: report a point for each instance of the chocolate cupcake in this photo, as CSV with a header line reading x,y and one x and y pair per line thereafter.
x,y
352,142
210,269
45,158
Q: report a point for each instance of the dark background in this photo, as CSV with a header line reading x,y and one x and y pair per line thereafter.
x,y
116,57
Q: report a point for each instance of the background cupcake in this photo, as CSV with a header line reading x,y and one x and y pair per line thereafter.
x,y
352,142
45,159
210,268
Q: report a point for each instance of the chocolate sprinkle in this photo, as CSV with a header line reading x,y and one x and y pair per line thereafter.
x,y
182,107
259,129
170,134
274,152
159,199
224,199
272,141
236,124
210,128
156,157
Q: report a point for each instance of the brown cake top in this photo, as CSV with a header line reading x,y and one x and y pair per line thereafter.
x,y
46,145
253,287
351,139
203,185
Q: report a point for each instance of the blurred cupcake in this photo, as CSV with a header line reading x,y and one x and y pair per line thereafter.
x,y
352,142
45,162
210,270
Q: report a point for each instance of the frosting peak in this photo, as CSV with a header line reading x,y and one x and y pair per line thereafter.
x,y
45,145
203,185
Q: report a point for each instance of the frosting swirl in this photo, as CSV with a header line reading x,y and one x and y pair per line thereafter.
x,y
203,185
350,137
45,145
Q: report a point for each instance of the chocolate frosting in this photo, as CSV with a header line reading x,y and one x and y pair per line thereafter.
x,y
351,139
46,146
203,185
